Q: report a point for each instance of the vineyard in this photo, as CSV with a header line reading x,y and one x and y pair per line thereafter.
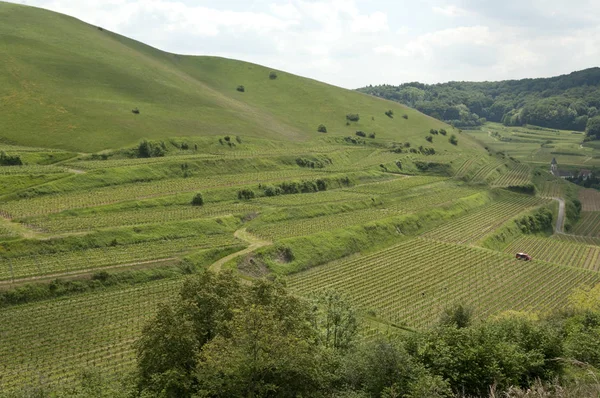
x,y
410,283
473,227
53,341
563,253
590,199
520,175
588,225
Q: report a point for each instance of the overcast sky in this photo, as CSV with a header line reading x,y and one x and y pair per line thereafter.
x,y
353,43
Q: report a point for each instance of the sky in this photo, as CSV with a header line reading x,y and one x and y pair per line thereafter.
x,y
353,43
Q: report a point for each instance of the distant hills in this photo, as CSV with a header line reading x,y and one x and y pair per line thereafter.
x,y
562,102
67,84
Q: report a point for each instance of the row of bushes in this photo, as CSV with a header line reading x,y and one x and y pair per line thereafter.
x,y
294,187
539,221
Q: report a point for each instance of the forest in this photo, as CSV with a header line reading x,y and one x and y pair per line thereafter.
x,y
568,102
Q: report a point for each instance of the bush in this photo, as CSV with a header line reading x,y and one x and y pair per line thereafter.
x,y
453,140
389,113
433,132
429,138
273,75
361,133
353,117
198,200
246,194
10,160
372,135
355,141
322,128
407,144
443,131
135,111
238,139
147,149
405,116
241,88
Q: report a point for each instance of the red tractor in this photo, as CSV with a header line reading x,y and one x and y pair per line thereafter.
x,y
523,256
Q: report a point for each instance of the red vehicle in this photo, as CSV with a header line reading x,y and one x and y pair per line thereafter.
x,y
523,256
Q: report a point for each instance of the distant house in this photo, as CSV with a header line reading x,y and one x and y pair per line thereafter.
x,y
557,172
585,174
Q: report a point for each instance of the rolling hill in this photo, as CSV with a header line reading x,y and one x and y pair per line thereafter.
x,y
70,85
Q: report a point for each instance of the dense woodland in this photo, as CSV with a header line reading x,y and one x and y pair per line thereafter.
x,y
569,102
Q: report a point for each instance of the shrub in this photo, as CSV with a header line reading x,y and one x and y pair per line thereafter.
x,y
355,141
241,88
361,133
372,135
101,29
389,113
453,140
10,160
407,144
227,138
273,75
135,111
238,139
353,117
246,194
433,132
405,116
147,149
429,138
197,200
221,141
399,164
322,128
443,131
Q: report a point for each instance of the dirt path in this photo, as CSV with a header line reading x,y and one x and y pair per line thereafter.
x,y
254,241
560,220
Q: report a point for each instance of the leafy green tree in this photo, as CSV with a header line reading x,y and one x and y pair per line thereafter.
x,y
335,320
322,128
458,315
453,140
593,127
198,200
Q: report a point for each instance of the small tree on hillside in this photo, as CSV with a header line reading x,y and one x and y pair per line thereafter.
x,y
241,88
453,140
322,128
273,75
198,200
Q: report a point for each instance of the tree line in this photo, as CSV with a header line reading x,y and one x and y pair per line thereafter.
x,y
569,102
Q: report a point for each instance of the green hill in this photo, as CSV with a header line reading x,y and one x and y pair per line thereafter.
x,y
562,102
67,84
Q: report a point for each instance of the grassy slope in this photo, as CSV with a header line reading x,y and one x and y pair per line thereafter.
x,y
66,84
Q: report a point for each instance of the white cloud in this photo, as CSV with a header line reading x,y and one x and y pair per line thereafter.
x,y
357,42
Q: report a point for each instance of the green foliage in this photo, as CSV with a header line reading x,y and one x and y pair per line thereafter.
x,y
592,128
10,160
336,320
527,189
429,138
197,200
246,194
389,113
563,102
372,135
272,75
353,117
443,132
459,315
313,164
322,128
453,140
433,132
148,149
241,88
361,133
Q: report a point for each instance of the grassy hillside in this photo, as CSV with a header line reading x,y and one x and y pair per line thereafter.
x,y
67,84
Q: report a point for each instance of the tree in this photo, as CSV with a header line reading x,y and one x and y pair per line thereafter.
x,y
273,75
241,88
322,128
458,315
593,127
198,200
335,319
353,117
453,140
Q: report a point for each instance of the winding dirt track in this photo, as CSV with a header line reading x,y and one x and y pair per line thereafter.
x,y
242,234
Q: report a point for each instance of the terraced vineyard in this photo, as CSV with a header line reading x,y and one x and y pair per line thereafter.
x,y
563,253
520,175
588,225
28,266
55,340
85,222
410,283
552,189
126,192
314,225
473,227
590,199
586,240
395,185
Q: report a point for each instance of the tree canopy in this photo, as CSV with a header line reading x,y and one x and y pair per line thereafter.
x,y
562,102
